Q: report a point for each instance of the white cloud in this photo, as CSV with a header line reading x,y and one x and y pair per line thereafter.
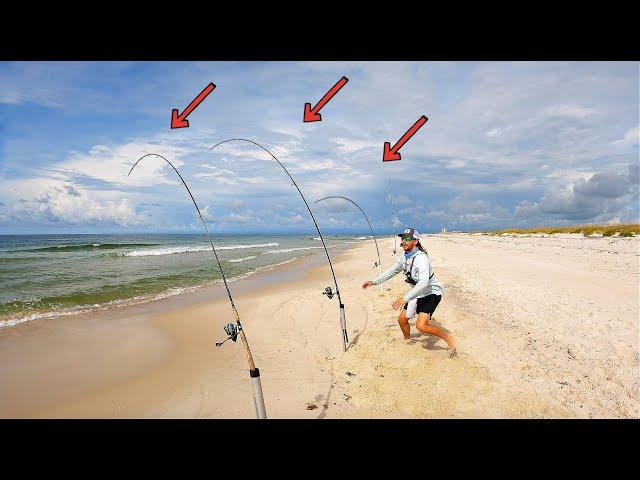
x,y
215,170
401,200
349,145
466,203
629,139
112,164
239,218
63,202
547,137
206,214
217,178
333,205
456,164
569,111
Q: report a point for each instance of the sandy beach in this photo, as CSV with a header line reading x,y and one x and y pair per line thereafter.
x,y
547,327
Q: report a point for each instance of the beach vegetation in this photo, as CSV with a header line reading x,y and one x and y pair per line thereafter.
x,y
622,229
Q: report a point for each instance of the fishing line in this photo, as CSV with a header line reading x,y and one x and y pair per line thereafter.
x,y
224,278
232,330
327,291
378,263
393,218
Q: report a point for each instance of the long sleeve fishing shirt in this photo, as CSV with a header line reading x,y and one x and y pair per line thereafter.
x,y
420,272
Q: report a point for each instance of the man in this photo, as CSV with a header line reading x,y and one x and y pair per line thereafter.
x,y
427,289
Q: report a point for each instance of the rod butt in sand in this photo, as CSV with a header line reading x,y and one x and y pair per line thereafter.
x,y
258,398
343,324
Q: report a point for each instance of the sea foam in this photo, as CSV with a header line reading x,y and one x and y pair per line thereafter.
x,y
191,248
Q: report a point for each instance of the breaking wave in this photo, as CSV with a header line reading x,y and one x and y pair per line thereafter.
x,y
191,248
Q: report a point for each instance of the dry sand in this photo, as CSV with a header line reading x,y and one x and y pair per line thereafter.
x,y
547,327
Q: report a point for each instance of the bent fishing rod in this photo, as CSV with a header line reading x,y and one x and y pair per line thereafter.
x,y
378,263
393,218
232,330
327,291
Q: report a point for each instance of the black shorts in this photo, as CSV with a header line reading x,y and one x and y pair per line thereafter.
x,y
427,304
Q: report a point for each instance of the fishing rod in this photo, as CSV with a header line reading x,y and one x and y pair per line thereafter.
x,y
327,290
378,263
393,218
233,331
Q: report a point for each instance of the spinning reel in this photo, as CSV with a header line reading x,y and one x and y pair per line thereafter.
x,y
328,292
231,330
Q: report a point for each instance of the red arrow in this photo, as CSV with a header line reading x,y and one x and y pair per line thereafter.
x,y
391,154
311,114
180,121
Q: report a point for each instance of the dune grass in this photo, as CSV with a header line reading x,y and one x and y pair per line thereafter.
x,y
621,229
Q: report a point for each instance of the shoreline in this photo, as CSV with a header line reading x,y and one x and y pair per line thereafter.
x,y
121,328
536,339
123,303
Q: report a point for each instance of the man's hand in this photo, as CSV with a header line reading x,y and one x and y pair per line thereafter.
x,y
398,303
367,284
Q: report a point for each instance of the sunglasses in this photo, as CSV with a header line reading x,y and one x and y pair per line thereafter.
x,y
407,239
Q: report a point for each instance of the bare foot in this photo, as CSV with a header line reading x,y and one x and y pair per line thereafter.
x,y
452,352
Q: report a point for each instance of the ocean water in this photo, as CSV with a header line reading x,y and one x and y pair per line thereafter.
x,y
49,275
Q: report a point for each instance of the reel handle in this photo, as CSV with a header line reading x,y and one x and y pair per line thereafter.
x,y
231,330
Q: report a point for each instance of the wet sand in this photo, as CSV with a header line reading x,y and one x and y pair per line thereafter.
x,y
122,362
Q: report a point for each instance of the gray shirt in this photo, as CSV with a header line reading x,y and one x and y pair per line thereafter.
x,y
420,272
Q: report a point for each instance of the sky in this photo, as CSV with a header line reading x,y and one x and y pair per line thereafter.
x,y
507,144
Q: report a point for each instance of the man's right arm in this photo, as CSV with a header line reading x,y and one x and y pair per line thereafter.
x,y
384,276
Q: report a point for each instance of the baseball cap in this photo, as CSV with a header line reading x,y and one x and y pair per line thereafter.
x,y
410,232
